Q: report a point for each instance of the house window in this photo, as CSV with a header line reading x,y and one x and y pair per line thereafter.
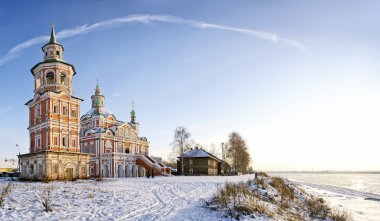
x,y
191,162
57,52
191,171
92,171
64,110
73,143
55,140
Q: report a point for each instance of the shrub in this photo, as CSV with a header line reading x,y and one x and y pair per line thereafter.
x,y
261,173
341,215
46,199
285,190
5,193
238,199
317,208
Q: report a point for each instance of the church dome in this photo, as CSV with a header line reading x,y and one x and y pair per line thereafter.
x,y
102,111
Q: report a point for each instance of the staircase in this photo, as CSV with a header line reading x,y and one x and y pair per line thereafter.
x,y
148,163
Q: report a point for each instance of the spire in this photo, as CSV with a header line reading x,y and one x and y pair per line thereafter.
x,y
52,35
97,89
133,113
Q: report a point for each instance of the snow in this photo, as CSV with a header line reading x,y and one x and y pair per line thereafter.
x,y
363,206
161,198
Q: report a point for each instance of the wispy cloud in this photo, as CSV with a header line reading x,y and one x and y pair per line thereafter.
x,y
146,19
6,109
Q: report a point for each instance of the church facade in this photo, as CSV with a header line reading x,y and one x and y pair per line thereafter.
x,y
65,146
54,124
115,146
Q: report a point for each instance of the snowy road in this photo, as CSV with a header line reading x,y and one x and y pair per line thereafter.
x,y
161,198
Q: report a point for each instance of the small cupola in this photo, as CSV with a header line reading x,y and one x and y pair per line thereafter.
x,y
53,50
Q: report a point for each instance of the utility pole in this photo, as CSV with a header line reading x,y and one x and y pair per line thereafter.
x,y
18,158
223,159
100,157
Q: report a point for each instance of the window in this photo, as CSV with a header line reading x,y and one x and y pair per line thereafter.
x,y
92,147
55,141
191,162
55,109
32,169
63,79
73,143
37,111
120,148
92,171
50,78
64,141
85,148
64,110
191,171
46,54
57,52
38,83
73,113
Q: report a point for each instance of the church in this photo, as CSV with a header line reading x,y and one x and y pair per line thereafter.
x,y
115,146
65,146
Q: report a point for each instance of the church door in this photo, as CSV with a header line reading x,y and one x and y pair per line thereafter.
x,y
69,173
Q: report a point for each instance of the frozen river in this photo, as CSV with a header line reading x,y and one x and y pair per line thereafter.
x,y
357,192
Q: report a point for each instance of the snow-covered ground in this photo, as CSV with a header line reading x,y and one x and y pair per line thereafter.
x,y
161,198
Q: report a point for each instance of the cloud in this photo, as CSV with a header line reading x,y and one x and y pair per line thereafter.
x,y
146,19
5,110
117,94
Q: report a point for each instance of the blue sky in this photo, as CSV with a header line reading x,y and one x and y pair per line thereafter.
x,y
298,79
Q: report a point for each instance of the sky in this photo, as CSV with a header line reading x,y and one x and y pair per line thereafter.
x,y
299,80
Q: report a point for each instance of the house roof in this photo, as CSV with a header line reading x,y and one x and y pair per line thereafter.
x,y
199,153
8,164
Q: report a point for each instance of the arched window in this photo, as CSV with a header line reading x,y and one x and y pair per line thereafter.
x,y
92,147
50,78
108,146
63,79
85,149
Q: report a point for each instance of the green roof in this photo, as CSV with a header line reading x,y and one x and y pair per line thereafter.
x,y
52,35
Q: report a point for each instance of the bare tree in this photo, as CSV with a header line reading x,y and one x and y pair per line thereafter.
x,y
181,143
237,153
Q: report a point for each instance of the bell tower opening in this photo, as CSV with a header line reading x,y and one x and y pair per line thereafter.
x,y
50,78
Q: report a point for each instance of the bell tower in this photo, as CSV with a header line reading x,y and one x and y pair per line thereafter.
x,y
54,125
54,111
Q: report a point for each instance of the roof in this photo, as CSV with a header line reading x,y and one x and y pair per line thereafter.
x,y
103,111
8,164
53,61
199,153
